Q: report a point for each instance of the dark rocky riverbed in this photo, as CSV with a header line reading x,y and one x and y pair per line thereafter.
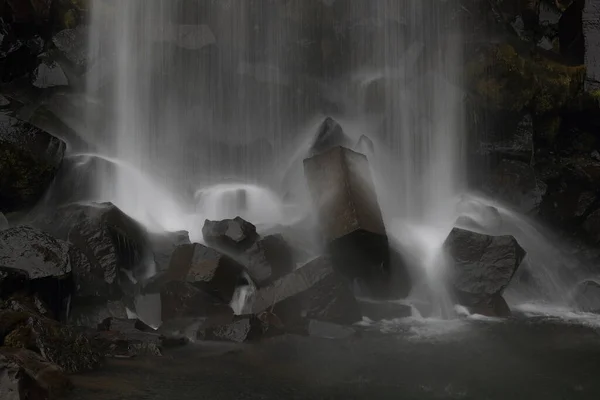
x,y
517,359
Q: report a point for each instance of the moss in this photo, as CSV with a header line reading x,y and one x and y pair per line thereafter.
x,y
70,19
507,80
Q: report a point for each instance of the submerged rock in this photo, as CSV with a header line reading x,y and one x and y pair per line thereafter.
x,y
241,329
482,267
25,375
29,161
329,135
313,291
350,218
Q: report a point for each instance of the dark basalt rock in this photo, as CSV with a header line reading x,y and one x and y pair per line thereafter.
x,y
241,329
164,244
587,296
59,344
313,291
350,218
107,237
203,267
73,44
24,375
45,261
230,235
365,146
95,311
482,267
29,160
329,135
182,299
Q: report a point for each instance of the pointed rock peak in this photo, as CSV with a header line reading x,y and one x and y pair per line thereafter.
x,y
330,134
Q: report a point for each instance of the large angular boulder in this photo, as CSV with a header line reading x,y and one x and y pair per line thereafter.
x,y
62,345
25,375
29,160
343,192
163,246
329,135
182,299
110,253
265,258
205,268
45,261
313,291
481,267
240,329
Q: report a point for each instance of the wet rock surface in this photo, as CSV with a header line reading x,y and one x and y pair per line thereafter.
x,y
29,160
482,267
329,135
24,375
587,296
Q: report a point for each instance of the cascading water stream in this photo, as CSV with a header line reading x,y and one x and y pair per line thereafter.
x,y
211,100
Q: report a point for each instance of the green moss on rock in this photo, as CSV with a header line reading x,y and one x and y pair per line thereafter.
x,y
507,80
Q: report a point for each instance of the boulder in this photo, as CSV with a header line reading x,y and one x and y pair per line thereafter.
x,y
29,161
230,235
110,240
329,135
203,267
69,349
163,246
241,329
343,192
25,375
182,299
49,74
587,296
313,291
365,146
44,259
73,44
591,33
481,267
89,314
125,338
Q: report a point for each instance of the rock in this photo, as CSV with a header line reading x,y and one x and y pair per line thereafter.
x,y
91,314
49,74
73,44
125,338
203,267
229,235
313,291
163,246
377,311
111,241
349,216
566,204
329,135
24,375
481,268
182,299
587,296
44,259
240,329
29,160
515,182
278,254
30,304
591,33
365,146
59,344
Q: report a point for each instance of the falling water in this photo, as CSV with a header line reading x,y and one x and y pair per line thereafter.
x,y
211,107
